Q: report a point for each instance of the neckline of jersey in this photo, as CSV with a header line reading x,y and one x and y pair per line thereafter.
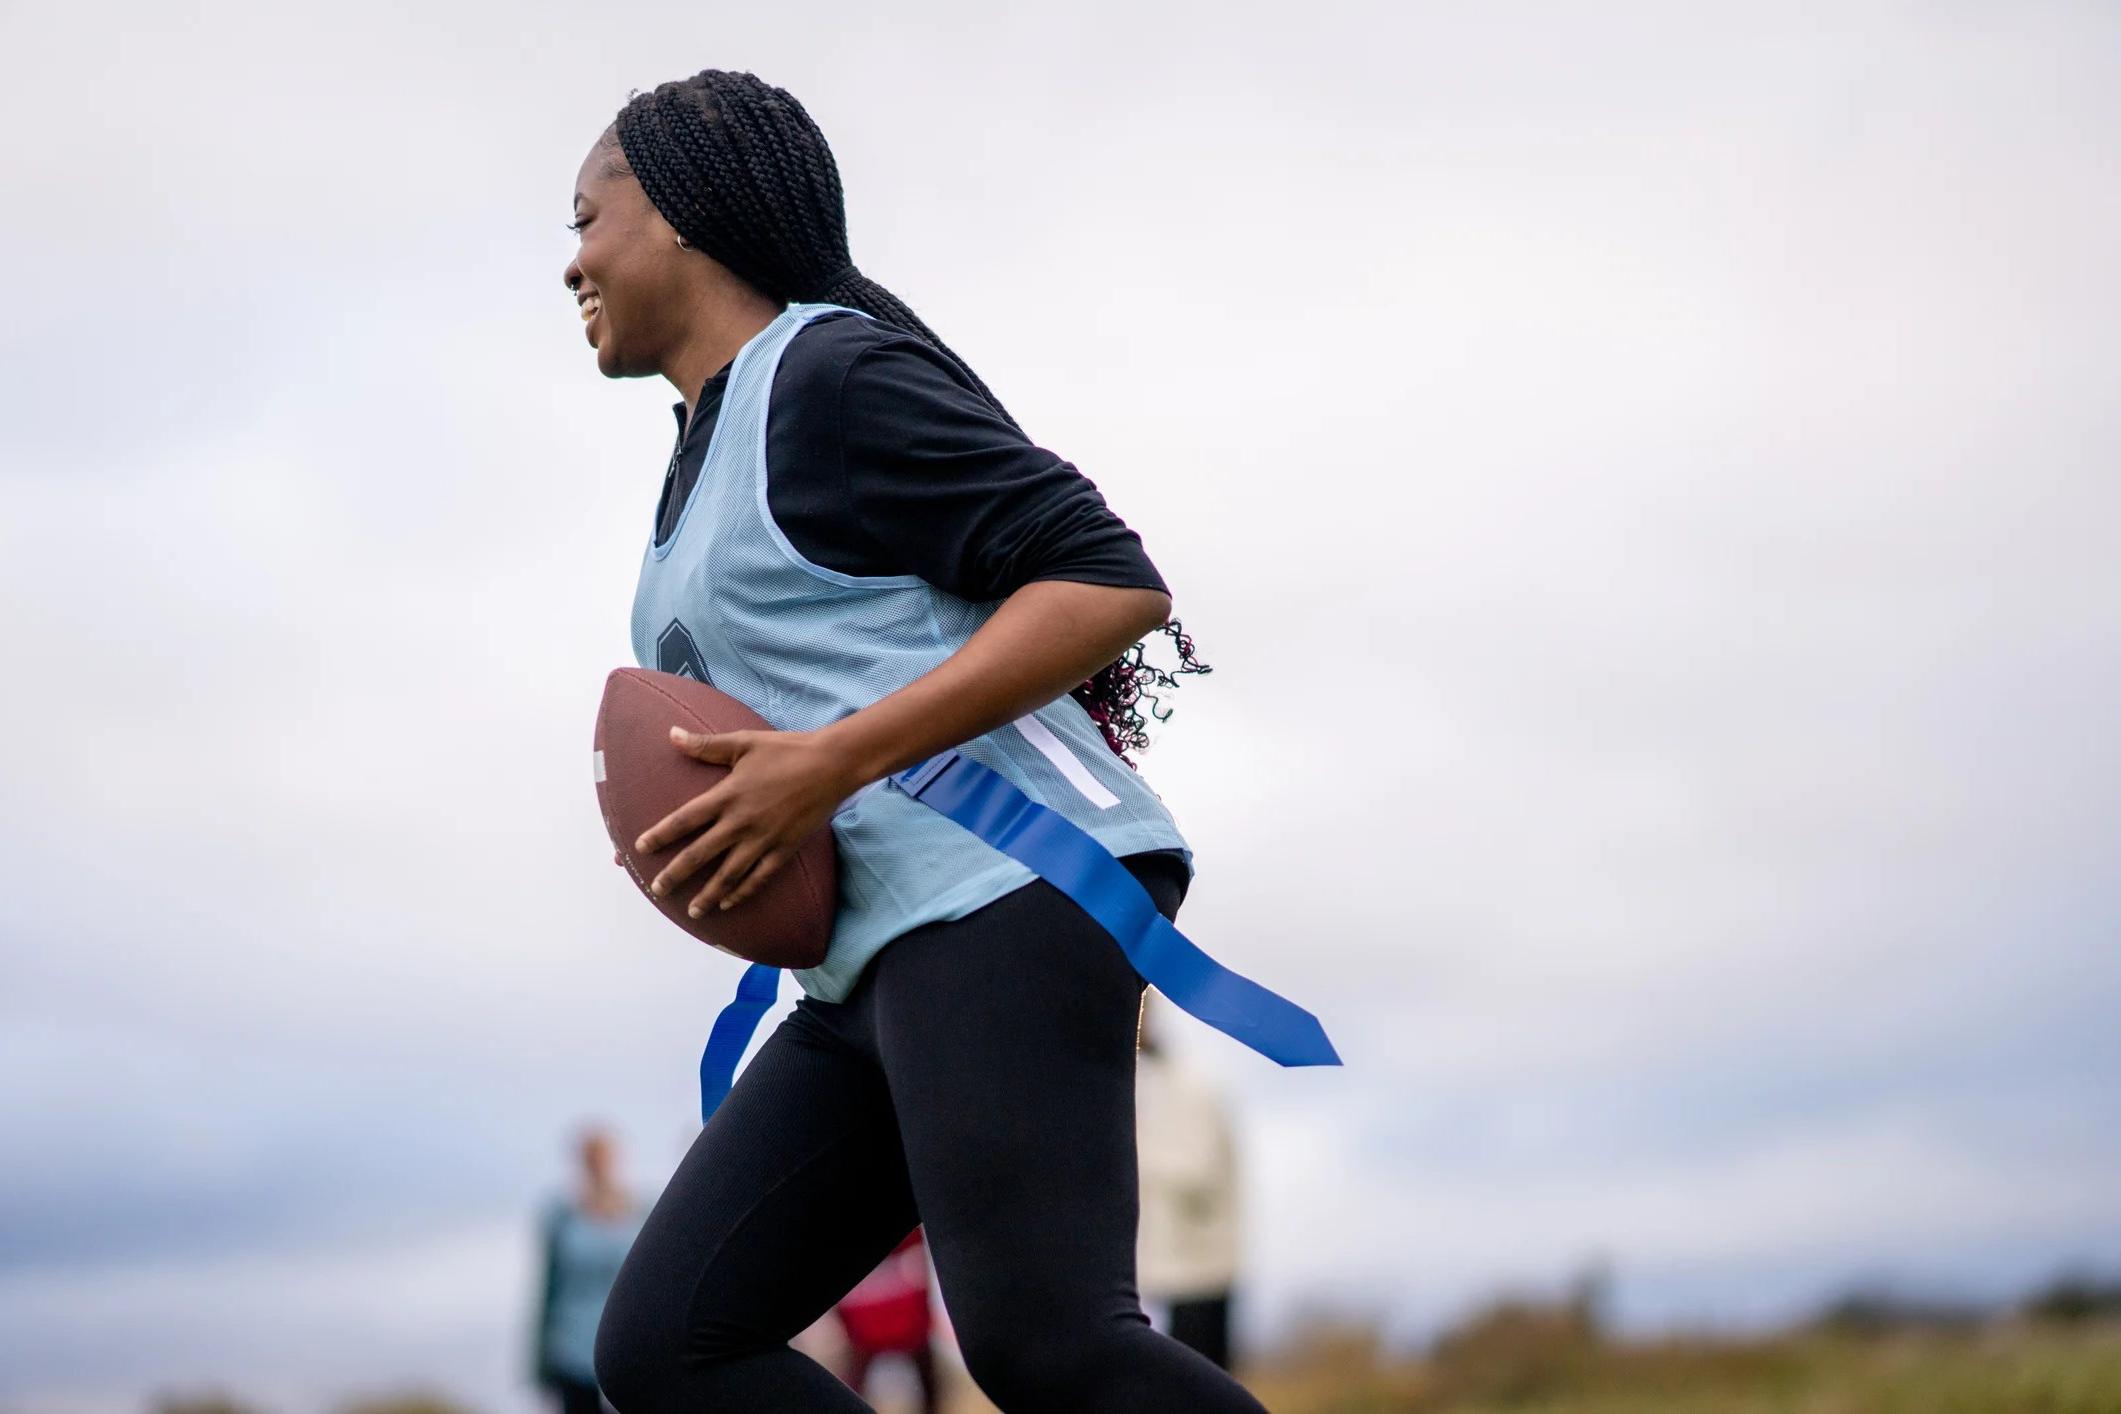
x,y
714,440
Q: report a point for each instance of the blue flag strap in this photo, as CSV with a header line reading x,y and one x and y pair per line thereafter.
x,y
991,806
987,803
732,1032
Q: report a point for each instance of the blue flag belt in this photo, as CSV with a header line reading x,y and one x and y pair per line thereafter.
x,y
989,805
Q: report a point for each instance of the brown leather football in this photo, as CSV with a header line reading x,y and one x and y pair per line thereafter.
x,y
641,777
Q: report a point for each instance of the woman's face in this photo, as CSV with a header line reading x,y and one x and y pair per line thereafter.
x,y
596,1156
628,277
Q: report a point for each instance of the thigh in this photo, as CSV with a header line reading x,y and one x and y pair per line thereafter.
x,y
793,1191
1008,1041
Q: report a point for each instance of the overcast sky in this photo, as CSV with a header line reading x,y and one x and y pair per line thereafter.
x,y
1643,475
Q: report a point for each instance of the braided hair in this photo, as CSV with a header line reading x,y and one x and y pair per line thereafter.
x,y
741,171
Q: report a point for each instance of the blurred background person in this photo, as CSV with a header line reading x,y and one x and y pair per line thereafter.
x,y
888,1313
1187,1246
586,1233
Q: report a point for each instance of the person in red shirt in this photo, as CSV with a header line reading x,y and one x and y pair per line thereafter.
x,y
888,1313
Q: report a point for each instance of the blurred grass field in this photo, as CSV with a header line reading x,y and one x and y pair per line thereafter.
x,y
1515,1365
2059,1352
1534,1359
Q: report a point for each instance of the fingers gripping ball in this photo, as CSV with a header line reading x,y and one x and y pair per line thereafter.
x,y
641,778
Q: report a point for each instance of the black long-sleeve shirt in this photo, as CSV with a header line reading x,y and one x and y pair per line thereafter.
x,y
882,459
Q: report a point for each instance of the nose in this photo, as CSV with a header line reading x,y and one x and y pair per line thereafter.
x,y
572,276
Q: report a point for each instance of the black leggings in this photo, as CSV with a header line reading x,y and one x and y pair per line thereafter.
x,y
978,1079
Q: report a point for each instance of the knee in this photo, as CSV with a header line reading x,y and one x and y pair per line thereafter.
x,y
1041,1363
655,1353
632,1356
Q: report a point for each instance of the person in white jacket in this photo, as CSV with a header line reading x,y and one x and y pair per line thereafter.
x,y
1187,1246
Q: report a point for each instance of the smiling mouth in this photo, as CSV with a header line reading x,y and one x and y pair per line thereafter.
x,y
591,307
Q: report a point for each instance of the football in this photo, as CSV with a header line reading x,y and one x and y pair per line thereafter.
x,y
641,777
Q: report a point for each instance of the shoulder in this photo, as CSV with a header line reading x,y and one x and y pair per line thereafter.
x,y
843,335
825,349
873,369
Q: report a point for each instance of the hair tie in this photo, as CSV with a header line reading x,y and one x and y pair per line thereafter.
x,y
830,283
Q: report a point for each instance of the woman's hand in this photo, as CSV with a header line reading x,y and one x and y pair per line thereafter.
x,y
781,786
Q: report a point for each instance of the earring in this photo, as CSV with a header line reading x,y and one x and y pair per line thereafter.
x,y
682,245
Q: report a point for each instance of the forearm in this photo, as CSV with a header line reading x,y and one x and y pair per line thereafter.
x,y
1043,640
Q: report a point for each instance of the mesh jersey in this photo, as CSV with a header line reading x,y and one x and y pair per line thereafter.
x,y
729,601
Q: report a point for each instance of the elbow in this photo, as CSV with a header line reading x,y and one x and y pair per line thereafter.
x,y
1156,610
1135,609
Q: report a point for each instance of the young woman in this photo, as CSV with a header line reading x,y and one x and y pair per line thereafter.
x,y
584,1237
855,539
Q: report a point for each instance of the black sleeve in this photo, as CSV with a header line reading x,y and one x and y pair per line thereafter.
x,y
943,487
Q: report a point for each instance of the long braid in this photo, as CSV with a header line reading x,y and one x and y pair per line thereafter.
x,y
738,167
